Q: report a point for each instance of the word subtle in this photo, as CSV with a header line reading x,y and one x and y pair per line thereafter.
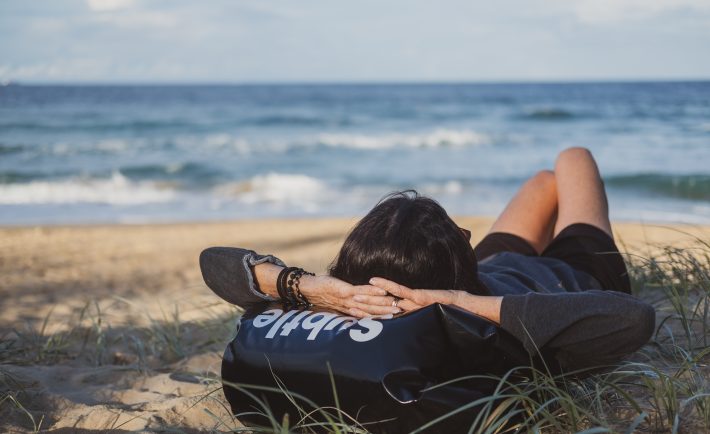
x,y
365,329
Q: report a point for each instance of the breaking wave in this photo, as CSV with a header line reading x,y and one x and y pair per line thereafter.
x,y
433,139
116,190
277,188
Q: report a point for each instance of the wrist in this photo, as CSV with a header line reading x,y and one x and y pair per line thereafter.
x,y
487,307
460,298
309,284
266,275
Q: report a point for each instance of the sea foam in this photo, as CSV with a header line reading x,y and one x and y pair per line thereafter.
x,y
437,138
431,139
287,189
116,190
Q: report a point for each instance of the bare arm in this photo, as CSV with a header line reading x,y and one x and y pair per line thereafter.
x,y
266,275
324,291
583,329
412,299
483,306
243,277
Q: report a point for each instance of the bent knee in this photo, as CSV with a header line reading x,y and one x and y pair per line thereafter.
x,y
544,179
573,155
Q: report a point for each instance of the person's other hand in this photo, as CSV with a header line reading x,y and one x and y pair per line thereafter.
x,y
333,293
410,299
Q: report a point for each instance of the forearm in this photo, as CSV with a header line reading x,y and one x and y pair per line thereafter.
x,y
483,306
243,277
266,275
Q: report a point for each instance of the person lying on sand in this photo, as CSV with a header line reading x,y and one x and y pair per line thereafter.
x,y
548,272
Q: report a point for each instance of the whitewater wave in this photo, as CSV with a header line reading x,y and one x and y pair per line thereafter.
x,y
447,188
311,194
374,142
116,190
238,145
217,141
433,139
287,189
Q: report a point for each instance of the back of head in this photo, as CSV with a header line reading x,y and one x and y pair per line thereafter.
x,y
411,240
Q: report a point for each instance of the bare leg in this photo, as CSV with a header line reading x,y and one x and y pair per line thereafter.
x,y
580,191
531,213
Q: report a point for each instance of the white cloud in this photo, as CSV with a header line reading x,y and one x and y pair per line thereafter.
x,y
108,5
139,19
278,40
610,11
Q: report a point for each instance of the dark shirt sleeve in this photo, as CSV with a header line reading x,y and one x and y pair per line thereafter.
x,y
228,272
581,329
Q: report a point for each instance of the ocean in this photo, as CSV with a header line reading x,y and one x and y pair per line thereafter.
x,y
144,154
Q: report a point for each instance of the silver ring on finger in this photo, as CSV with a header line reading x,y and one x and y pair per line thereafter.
x,y
395,300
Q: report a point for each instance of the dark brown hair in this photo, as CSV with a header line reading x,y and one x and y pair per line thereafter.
x,y
409,239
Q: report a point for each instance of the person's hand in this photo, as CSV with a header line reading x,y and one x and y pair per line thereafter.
x,y
409,299
333,293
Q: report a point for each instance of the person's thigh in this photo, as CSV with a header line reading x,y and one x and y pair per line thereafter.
x,y
530,215
580,191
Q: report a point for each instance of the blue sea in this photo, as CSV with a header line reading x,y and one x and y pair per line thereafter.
x,y
136,154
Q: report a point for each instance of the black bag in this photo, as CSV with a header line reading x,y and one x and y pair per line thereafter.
x,y
382,370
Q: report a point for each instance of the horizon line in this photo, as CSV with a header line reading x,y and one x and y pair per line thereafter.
x,y
11,82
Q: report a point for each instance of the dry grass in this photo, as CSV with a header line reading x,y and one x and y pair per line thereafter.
x,y
665,387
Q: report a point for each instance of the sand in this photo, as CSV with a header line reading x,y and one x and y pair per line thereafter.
x,y
112,327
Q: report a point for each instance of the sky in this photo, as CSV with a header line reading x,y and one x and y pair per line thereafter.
x,y
240,41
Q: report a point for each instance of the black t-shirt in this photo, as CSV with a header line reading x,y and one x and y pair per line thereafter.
x,y
509,273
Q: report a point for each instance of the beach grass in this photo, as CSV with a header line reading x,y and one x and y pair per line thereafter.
x,y
664,387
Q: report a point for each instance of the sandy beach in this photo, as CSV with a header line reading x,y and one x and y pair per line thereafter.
x,y
112,327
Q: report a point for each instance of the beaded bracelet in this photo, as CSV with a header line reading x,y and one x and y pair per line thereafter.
x,y
297,284
288,286
281,287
